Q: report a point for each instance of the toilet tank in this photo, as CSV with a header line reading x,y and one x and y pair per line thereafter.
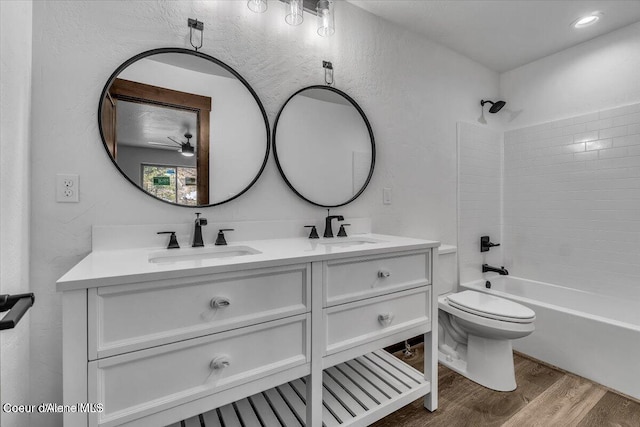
x,y
447,274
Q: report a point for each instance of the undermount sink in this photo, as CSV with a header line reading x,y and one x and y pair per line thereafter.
x,y
349,241
196,254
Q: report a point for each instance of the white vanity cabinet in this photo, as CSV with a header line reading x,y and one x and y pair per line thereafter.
x,y
285,339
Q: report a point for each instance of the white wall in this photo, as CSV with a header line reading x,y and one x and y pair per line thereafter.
x,y
412,90
596,75
572,202
480,198
15,111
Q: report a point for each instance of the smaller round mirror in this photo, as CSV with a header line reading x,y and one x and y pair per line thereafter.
x,y
324,146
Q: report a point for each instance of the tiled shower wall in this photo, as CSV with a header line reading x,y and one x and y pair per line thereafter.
x,y
479,188
572,202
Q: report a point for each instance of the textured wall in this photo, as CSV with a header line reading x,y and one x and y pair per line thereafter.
x,y
15,110
412,90
572,202
480,198
592,76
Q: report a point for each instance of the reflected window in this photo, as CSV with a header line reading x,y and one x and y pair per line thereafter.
x,y
175,184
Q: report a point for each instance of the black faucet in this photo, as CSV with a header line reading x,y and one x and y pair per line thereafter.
x,y
328,232
501,271
197,232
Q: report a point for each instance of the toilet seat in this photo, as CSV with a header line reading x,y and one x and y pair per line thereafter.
x,y
491,307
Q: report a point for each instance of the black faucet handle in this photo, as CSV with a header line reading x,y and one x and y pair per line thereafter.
x,y
220,240
342,232
485,244
314,232
173,240
200,221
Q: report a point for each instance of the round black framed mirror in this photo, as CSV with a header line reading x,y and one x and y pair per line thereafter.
x,y
324,147
184,127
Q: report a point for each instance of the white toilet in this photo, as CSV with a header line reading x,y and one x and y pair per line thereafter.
x,y
476,329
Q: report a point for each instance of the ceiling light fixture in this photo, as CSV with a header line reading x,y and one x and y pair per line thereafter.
x,y
587,20
294,9
293,15
326,23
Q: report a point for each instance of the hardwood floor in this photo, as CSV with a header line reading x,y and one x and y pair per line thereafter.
x,y
545,397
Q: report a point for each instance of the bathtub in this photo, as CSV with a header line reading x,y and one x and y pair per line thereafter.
x,y
594,336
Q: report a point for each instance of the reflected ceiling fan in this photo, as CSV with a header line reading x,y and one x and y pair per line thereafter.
x,y
186,149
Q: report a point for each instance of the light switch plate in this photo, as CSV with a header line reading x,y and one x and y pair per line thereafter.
x,y
386,196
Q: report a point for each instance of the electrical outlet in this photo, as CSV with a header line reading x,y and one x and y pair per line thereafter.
x,y
67,188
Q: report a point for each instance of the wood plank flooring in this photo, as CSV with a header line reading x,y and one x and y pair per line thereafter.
x,y
545,397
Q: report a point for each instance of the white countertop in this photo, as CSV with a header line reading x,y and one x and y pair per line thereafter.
x,y
113,267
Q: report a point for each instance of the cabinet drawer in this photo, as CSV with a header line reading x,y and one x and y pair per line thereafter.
x,y
357,323
144,382
357,278
134,317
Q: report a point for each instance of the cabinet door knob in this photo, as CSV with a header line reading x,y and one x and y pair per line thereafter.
x,y
385,318
220,302
220,362
384,273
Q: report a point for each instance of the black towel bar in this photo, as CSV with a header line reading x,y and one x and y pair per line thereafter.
x,y
18,306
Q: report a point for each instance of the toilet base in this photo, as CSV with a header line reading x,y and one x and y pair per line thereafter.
x,y
489,363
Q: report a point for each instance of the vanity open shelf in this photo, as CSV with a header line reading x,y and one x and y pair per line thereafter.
x,y
289,334
355,393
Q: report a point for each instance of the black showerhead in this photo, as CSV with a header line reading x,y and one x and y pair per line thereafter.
x,y
495,106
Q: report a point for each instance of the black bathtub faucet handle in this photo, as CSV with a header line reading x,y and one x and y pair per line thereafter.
x,y
485,244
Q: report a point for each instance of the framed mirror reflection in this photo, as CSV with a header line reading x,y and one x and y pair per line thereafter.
x,y
184,127
324,146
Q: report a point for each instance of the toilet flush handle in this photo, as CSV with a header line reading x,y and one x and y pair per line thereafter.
x,y
384,274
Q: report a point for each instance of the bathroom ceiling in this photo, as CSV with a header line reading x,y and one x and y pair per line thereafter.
x,y
503,35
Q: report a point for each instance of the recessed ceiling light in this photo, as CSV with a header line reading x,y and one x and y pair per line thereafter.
x,y
587,20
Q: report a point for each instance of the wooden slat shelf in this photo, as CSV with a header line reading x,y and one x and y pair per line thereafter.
x,y
355,393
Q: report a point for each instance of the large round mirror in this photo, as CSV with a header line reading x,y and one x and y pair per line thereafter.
x,y
184,127
324,146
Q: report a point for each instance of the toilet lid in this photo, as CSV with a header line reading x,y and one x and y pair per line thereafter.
x,y
491,306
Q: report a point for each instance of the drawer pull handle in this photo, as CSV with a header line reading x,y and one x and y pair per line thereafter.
x,y
386,318
220,302
383,274
220,362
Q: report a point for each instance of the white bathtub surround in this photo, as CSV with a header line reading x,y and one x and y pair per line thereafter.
x,y
585,333
572,202
479,198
